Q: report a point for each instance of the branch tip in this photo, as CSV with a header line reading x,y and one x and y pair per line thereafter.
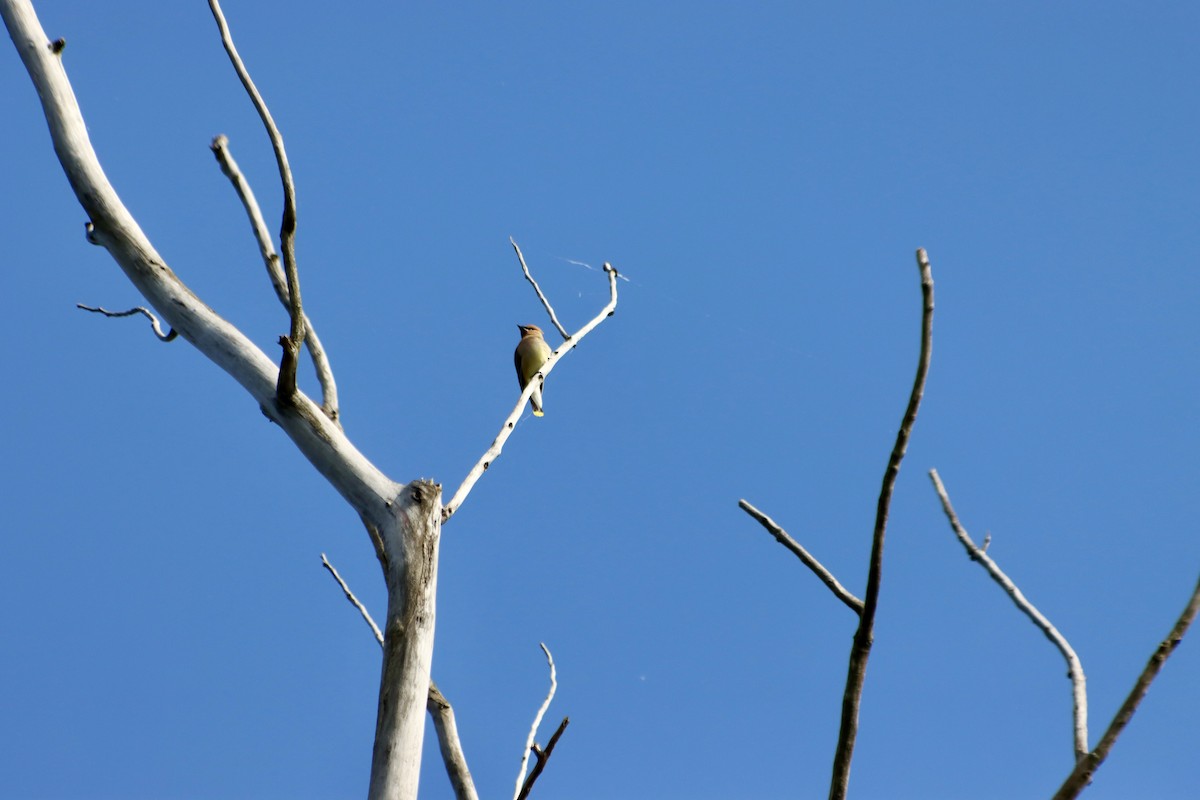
x,y
158,331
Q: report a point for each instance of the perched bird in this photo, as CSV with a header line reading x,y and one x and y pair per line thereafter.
x,y
532,352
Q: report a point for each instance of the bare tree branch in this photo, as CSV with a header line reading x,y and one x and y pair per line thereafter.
x,y
266,248
449,745
537,721
366,615
1074,666
286,388
493,452
538,289
407,517
1086,767
542,757
440,710
166,337
864,636
805,557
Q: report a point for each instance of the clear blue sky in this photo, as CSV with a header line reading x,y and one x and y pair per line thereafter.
x,y
762,174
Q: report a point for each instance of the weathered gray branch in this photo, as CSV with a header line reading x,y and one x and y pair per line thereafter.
x,y
1086,767
266,248
493,452
864,636
1074,666
286,388
805,557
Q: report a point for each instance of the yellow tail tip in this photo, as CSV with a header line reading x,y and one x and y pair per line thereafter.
x,y
538,413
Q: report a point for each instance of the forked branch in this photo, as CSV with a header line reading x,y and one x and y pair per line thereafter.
x,y
266,248
542,756
1086,767
440,710
1074,666
493,452
286,388
524,785
864,636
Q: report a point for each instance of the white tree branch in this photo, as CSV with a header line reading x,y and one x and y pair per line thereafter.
x,y
354,601
114,228
1074,665
538,289
450,746
406,518
493,452
537,721
266,248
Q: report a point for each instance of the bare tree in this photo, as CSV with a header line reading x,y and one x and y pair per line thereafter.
x,y
403,520
865,608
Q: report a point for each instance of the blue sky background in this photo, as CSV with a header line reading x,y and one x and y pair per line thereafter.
x,y
762,174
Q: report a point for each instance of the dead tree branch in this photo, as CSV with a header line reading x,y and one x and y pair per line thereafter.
x,y
158,331
449,745
1074,666
407,517
286,388
1086,767
537,721
542,757
354,601
864,636
805,557
538,289
266,248
493,452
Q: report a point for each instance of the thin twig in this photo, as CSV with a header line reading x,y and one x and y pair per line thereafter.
x,y
158,331
266,248
538,289
805,557
542,757
1086,767
863,637
1074,666
537,721
286,388
493,452
354,600
439,708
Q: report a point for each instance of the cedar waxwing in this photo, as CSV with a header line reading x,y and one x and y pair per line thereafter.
x,y
532,352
